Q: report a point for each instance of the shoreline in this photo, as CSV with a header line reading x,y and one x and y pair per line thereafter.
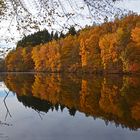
x,y
73,73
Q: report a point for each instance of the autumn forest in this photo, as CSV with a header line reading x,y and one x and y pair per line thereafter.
x,y
112,47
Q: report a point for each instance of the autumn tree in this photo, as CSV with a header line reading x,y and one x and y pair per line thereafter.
x,y
27,59
110,53
136,35
14,61
89,49
70,58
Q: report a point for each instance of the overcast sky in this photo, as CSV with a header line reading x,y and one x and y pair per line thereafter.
x,y
133,5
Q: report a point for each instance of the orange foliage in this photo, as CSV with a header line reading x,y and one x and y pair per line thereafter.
x,y
136,35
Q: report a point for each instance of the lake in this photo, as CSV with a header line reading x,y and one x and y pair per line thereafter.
x,y
69,107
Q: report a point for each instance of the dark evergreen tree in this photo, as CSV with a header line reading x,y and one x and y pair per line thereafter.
x,y
62,35
35,39
2,65
52,35
72,31
56,36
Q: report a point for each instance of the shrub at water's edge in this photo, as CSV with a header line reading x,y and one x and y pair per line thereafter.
x,y
112,47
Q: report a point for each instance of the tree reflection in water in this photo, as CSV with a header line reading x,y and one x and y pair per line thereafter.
x,y
113,98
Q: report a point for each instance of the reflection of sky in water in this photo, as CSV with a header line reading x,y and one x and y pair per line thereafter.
x,y
3,94
3,89
27,124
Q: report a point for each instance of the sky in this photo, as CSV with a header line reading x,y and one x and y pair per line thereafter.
x,y
133,5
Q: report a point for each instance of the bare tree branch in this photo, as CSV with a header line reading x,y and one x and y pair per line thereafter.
x,y
4,100
29,16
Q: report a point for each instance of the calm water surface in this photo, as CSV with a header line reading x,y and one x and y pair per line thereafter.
x,y
69,107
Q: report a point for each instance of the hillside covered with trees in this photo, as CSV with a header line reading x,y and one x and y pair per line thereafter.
x,y
113,47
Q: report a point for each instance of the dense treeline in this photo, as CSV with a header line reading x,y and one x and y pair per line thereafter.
x,y
35,39
42,37
112,98
113,47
